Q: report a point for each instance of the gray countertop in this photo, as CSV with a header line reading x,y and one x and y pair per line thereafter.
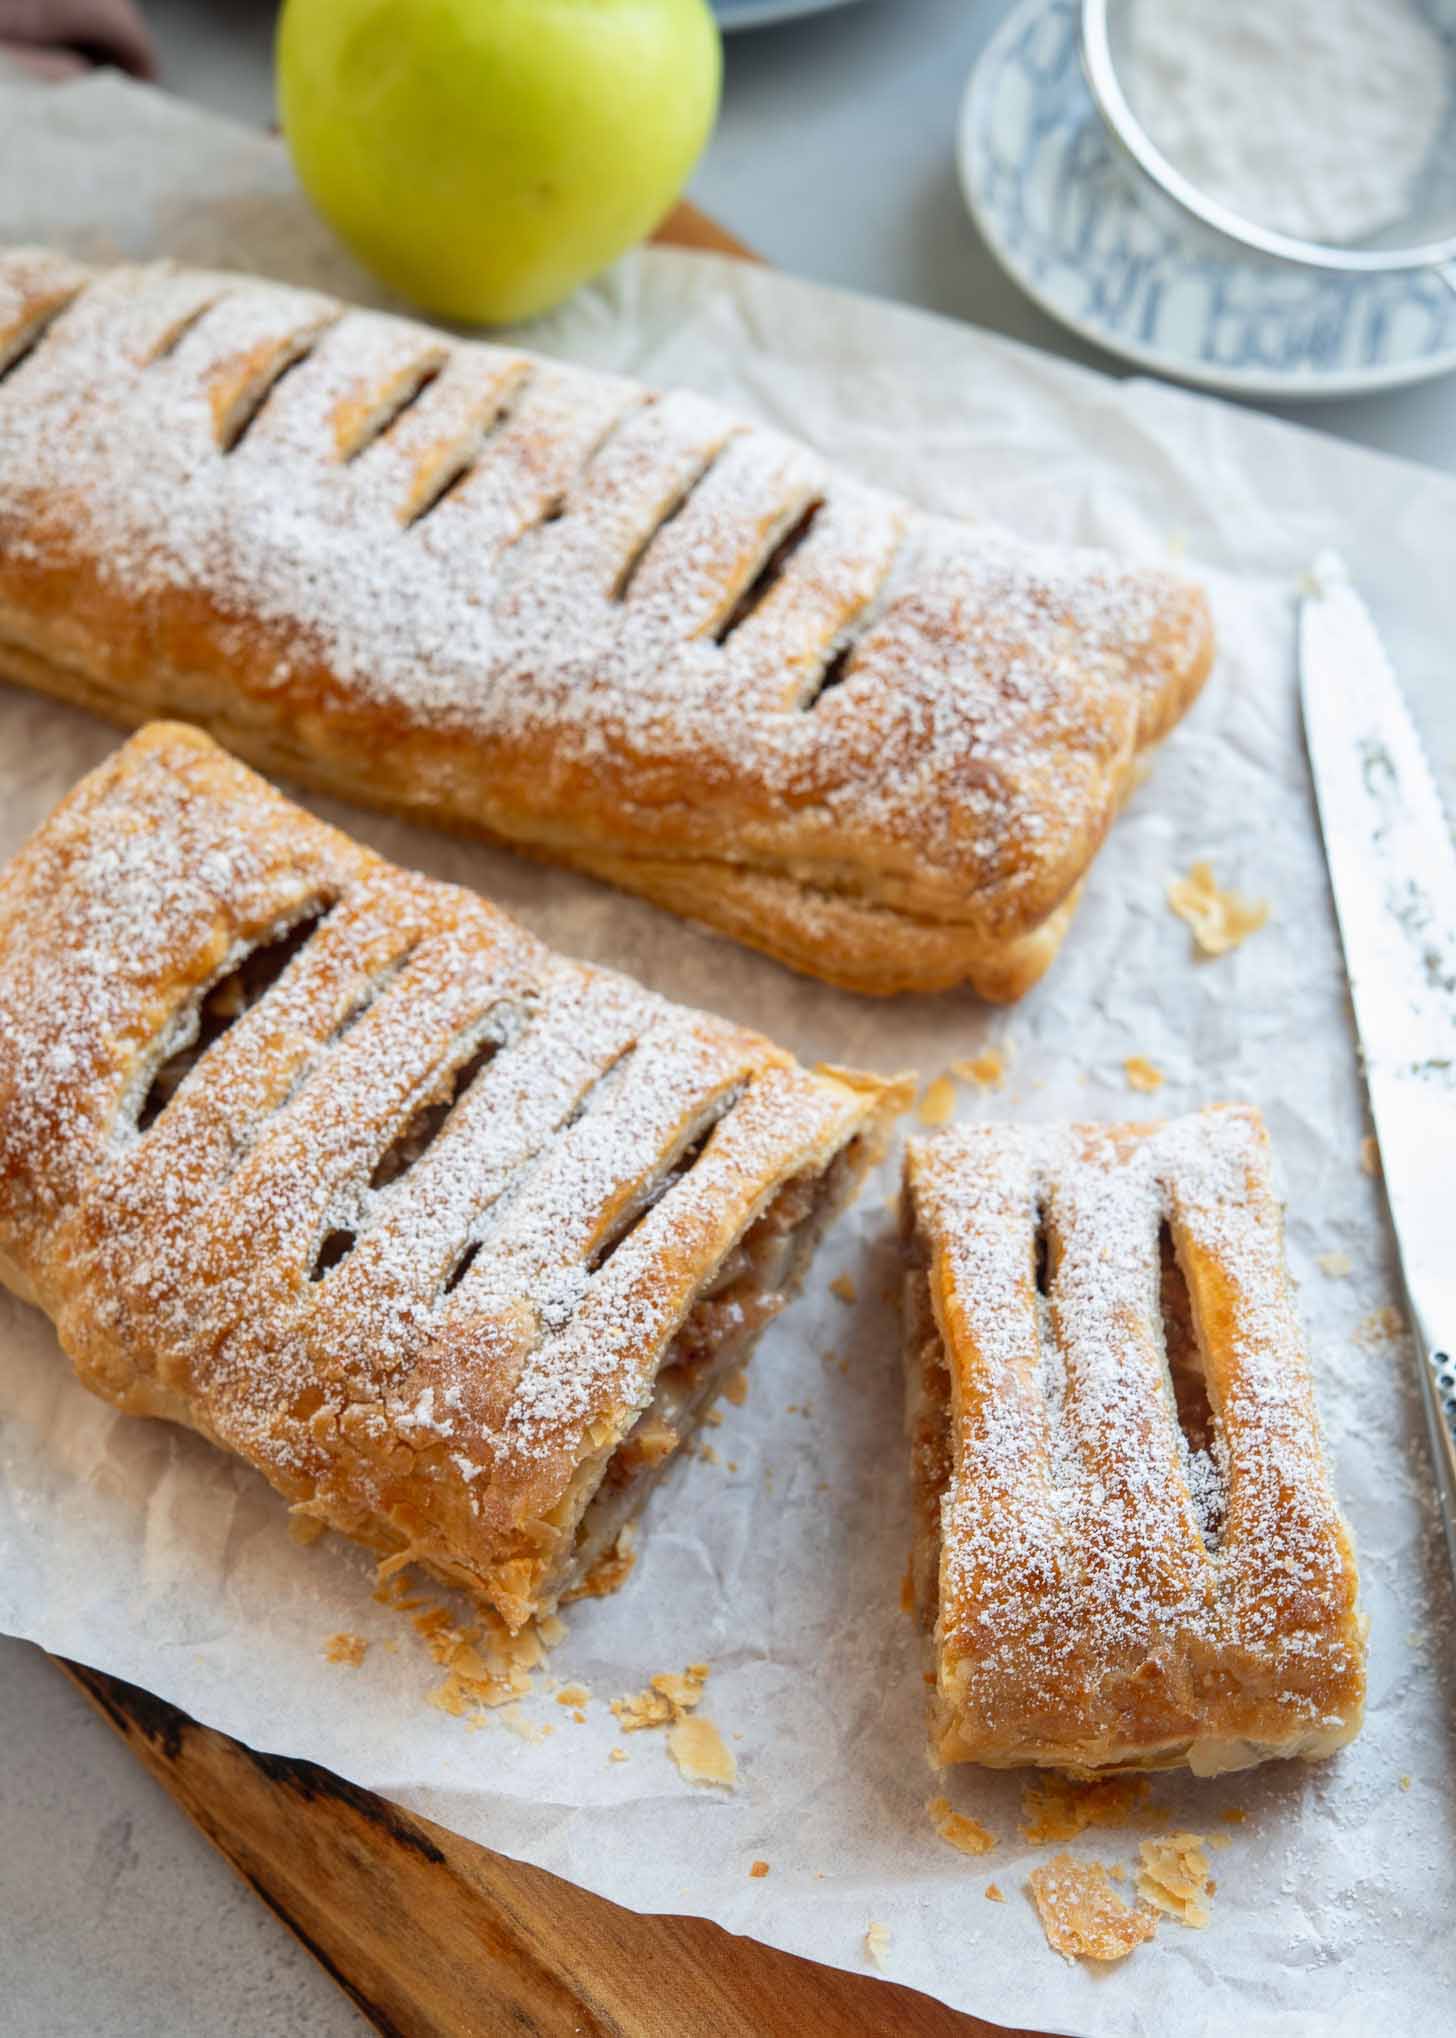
x,y
833,159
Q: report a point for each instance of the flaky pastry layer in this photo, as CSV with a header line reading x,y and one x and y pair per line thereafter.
x,y
1128,1554
623,630
445,1234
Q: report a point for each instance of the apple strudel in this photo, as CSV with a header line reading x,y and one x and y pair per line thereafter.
x,y
622,630
1128,1554
453,1239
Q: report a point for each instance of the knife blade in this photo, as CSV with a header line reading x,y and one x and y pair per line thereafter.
x,y
1393,873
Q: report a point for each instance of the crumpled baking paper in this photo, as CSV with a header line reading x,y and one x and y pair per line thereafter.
x,y
134,1546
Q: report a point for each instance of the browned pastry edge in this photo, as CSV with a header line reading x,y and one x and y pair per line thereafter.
x,y
895,775
448,1236
1057,1632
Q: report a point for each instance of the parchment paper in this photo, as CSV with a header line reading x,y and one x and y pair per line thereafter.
x,y
136,1547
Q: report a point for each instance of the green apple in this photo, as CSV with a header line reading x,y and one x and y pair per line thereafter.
x,y
484,157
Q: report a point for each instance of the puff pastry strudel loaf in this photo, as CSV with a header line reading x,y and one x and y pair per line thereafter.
x,y
454,1239
1128,1552
622,630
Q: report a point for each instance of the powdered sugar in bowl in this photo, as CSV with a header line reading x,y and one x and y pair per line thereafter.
x,y
1318,132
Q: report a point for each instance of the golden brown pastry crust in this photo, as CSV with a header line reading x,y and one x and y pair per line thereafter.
x,y
623,631
1128,1551
415,1225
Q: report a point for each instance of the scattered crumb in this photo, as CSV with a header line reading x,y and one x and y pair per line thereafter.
x,y
701,1754
735,1388
1405,1783
907,1592
611,1570
843,1287
938,1102
1220,920
304,1528
1218,1841
667,1700
552,1629
957,1830
618,1755
877,1944
346,1648
1054,1808
1174,1877
759,1869
1141,1074
987,1071
1381,1326
708,1455
713,1419
1233,1816
573,1695
1336,1265
485,1664
1081,1913
992,1893
1370,1154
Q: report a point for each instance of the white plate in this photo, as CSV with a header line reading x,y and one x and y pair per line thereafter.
x,y
759,13
1063,217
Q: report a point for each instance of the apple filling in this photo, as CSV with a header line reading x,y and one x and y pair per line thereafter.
x,y
746,1291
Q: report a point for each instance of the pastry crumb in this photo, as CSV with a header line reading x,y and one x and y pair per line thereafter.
x,y
938,1103
1370,1154
1233,1816
1337,1265
877,1940
665,1701
1055,1808
305,1528
1219,919
1405,1783
843,1286
957,1830
552,1629
708,1454
987,1071
735,1388
759,1870
573,1695
701,1753
618,1755
1082,1914
992,1893
611,1570
907,1591
346,1648
1174,1877
1380,1327
1142,1074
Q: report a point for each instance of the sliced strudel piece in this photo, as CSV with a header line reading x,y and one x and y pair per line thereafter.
x,y
1128,1553
624,630
455,1240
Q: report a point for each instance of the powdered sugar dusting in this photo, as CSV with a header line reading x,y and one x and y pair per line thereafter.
x,y
572,549
1095,1570
421,1355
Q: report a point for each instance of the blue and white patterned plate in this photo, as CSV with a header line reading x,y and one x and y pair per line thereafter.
x,y
1063,217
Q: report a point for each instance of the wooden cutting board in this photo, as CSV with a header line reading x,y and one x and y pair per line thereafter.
x,y
434,1937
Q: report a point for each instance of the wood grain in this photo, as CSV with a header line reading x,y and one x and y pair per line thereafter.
x,y
434,1937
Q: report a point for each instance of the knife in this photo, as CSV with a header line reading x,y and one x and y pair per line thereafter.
x,y
1393,873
